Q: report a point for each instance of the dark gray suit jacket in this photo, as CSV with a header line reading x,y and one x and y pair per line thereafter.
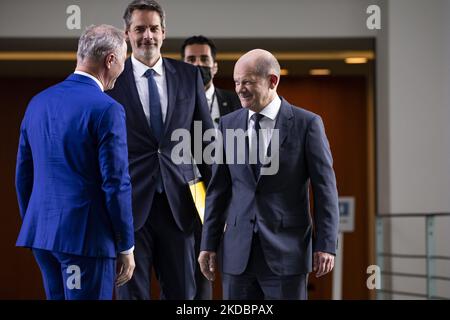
x,y
279,202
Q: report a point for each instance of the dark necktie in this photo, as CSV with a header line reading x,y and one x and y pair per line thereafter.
x,y
256,148
156,122
256,167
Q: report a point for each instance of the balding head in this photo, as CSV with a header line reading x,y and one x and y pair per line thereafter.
x,y
256,77
262,62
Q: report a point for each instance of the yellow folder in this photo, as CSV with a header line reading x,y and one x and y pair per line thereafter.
x,y
198,192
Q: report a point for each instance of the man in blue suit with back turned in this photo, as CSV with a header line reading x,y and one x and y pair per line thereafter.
x,y
160,95
72,178
267,241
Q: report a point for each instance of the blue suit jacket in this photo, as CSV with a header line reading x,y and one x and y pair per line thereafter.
x,y
186,104
279,202
72,178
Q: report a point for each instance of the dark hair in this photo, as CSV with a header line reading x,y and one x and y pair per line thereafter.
x,y
150,5
199,40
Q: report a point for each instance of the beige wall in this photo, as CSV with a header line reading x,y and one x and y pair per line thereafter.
x,y
413,85
216,18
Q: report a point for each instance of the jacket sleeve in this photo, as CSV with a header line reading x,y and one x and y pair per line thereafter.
x,y
116,183
201,114
218,196
323,181
24,171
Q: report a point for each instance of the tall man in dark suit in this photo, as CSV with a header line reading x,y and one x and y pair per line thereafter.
x,y
160,96
72,176
201,51
268,245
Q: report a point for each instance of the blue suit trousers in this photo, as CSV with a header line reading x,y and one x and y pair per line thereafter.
x,y
72,277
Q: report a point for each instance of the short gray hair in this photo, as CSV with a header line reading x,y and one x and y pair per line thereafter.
x,y
149,5
97,42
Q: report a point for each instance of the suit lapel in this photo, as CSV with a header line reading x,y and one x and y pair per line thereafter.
x,y
134,97
242,123
284,121
223,105
172,90
283,124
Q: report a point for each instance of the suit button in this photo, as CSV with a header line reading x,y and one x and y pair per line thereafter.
x,y
159,150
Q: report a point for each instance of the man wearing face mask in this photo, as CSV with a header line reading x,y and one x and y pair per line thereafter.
x,y
201,51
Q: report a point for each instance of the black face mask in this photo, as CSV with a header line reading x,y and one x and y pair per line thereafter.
x,y
206,74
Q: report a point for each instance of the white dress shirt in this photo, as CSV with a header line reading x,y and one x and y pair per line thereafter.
x,y
142,85
267,123
213,104
90,76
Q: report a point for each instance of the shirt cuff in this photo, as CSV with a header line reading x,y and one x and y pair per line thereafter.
x,y
129,251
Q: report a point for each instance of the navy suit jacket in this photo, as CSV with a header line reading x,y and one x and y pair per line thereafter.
x,y
278,202
186,104
72,178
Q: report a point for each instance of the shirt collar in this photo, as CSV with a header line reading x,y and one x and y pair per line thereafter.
x,y
210,92
140,68
270,111
90,76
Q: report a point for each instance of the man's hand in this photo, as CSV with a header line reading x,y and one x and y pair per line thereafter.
x,y
207,261
125,267
323,263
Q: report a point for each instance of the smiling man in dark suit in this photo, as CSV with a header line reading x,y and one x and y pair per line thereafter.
x,y
268,247
160,96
